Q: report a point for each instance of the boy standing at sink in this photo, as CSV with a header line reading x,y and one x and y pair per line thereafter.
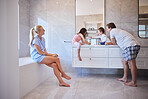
x,y
101,35
130,48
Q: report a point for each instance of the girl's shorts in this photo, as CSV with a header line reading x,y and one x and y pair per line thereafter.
x,y
78,45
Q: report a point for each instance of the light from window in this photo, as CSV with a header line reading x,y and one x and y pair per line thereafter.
x,y
44,25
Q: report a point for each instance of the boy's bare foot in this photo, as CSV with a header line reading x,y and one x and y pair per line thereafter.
x,y
66,76
122,79
64,84
130,84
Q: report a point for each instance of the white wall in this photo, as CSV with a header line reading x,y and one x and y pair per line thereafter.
x,y
89,7
9,70
31,75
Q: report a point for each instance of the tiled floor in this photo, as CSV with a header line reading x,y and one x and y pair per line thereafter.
x,y
90,87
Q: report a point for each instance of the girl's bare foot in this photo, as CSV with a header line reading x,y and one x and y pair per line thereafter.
x,y
66,76
130,84
122,79
80,59
64,84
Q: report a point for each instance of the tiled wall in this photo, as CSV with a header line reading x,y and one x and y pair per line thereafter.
x,y
24,27
124,13
58,19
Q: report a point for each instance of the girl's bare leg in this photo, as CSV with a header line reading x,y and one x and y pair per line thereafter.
x,y
79,55
126,69
57,74
51,59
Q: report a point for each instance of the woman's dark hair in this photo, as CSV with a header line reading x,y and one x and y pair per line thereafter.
x,y
101,29
82,31
111,25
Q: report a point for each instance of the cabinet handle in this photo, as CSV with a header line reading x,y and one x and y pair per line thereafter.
x,y
89,58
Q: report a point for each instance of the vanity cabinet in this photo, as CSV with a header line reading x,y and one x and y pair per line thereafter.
x,y
109,56
115,58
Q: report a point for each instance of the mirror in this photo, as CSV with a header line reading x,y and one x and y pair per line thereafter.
x,y
89,15
143,19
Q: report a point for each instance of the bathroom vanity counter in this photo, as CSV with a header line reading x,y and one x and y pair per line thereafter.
x,y
105,56
102,46
97,46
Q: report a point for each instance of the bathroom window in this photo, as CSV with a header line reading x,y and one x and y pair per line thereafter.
x,y
143,19
143,30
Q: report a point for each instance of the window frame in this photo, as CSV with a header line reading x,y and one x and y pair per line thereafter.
x,y
146,28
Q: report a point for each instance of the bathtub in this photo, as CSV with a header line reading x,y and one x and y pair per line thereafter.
x,y
31,74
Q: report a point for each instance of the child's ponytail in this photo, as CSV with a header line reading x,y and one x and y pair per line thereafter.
x,y
82,31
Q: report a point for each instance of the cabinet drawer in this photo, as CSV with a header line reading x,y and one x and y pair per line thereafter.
x,y
115,52
99,62
91,52
91,62
143,52
115,63
99,52
84,52
83,63
142,63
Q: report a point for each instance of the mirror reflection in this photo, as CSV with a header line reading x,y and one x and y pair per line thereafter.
x,y
89,15
143,18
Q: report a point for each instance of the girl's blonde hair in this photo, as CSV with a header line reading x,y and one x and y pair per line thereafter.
x,y
35,29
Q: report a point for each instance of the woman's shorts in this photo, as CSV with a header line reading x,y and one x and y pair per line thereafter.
x,y
130,53
38,58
